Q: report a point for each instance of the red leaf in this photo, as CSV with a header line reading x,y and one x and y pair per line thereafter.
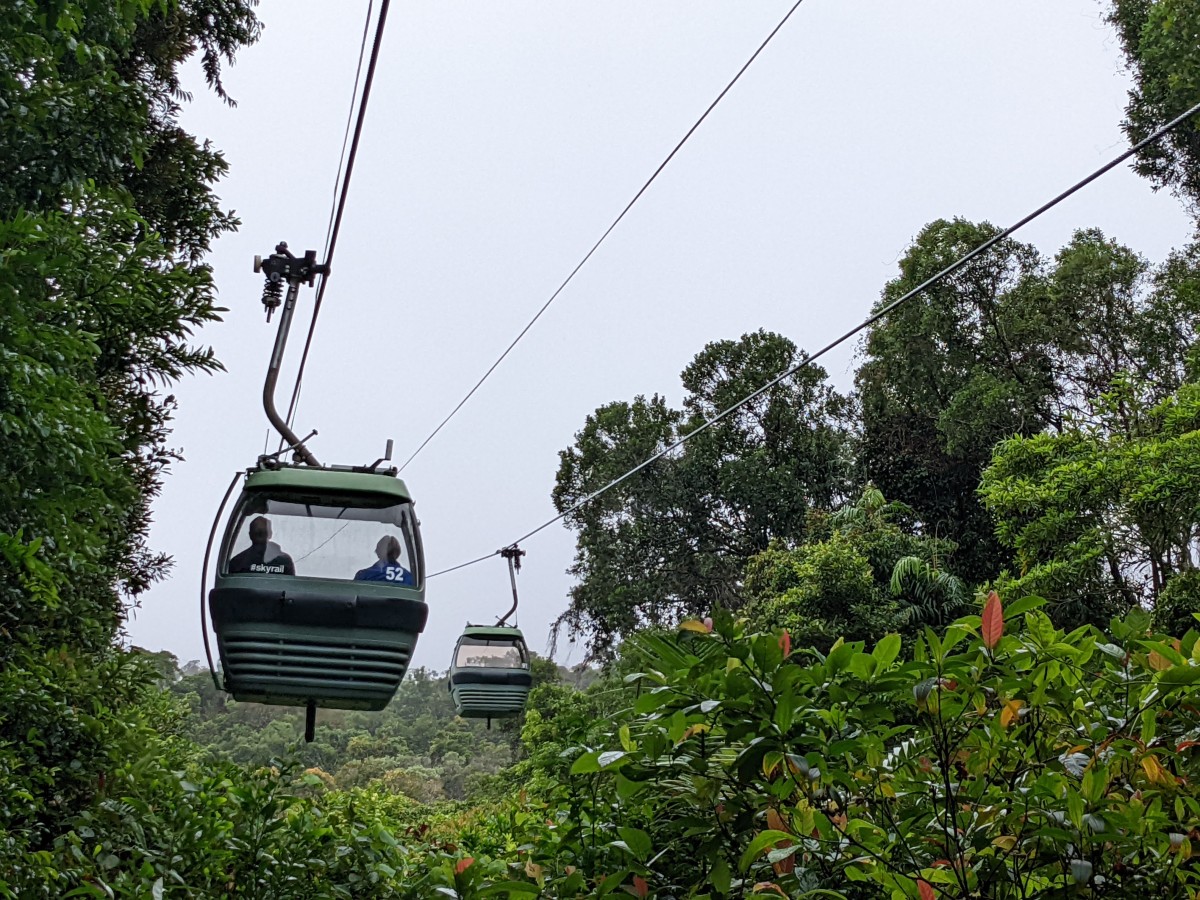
x,y
993,622
785,644
775,821
926,889
640,888
463,865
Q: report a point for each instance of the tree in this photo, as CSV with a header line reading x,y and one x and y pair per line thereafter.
x,y
1012,345
673,539
104,220
945,376
1104,516
106,210
1110,316
1160,40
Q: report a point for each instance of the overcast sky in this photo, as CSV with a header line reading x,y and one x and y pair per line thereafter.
x,y
503,138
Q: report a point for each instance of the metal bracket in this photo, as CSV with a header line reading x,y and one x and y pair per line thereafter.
x,y
387,457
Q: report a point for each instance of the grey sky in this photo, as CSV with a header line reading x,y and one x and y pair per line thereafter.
x,y
503,138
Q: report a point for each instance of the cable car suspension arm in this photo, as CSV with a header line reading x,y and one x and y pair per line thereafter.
x,y
282,266
513,554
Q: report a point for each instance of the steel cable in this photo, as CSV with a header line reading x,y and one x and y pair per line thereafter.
x,y
603,237
866,323
340,206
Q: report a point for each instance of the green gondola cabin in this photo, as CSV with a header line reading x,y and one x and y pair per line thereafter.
x,y
489,674
319,596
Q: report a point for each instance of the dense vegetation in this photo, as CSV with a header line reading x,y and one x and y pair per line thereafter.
x,y
934,638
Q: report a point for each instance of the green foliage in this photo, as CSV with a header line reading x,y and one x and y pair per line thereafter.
x,y
1159,38
672,539
65,716
416,748
1177,606
723,761
864,574
106,210
815,591
944,377
1044,764
1010,346
1103,516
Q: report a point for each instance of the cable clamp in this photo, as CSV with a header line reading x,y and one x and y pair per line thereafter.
x,y
513,554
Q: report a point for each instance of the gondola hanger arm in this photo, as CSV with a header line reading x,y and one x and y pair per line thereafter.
x,y
283,267
513,555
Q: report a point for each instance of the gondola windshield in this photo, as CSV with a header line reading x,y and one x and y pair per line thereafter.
x,y
491,654
326,537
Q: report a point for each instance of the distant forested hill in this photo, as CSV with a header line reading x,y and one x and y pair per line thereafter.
x,y
416,746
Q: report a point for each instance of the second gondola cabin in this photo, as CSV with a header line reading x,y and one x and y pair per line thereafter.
x,y
489,674
319,596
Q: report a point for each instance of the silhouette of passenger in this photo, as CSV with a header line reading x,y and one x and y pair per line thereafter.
x,y
263,556
387,567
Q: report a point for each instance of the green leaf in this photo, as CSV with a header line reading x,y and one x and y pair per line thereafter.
x,y
611,883
626,740
586,764
637,841
509,888
1149,726
609,758
886,650
862,666
1022,606
785,708
761,842
1075,808
839,657
1178,676
720,876
627,788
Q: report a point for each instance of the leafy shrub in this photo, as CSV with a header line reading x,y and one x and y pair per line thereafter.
x,y
1007,759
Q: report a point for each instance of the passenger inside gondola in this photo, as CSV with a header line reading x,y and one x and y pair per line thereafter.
x,y
387,564
263,556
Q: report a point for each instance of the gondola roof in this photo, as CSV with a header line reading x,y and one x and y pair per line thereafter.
x,y
492,632
327,480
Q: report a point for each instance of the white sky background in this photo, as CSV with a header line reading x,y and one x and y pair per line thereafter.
x,y
503,138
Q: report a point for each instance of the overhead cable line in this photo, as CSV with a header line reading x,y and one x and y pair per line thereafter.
x,y
337,180
603,237
340,203
866,323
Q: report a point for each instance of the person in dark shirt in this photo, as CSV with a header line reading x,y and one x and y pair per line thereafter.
x,y
387,567
263,556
